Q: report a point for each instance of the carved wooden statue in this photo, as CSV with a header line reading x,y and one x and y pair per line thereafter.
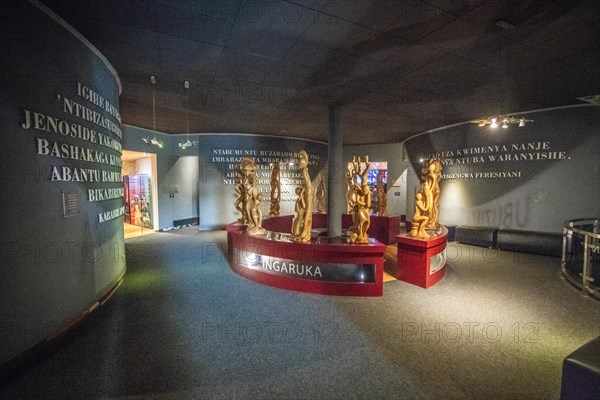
x,y
420,218
433,178
304,216
252,196
350,197
381,197
361,219
300,209
427,203
321,196
240,202
275,190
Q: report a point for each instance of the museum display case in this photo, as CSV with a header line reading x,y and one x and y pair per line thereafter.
x,y
137,200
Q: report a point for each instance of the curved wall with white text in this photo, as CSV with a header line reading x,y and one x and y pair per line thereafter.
x,y
531,178
61,198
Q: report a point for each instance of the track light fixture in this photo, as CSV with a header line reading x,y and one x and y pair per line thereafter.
x,y
153,140
502,120
188,142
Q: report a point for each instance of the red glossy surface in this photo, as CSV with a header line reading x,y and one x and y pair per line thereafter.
x,y
332,251
283,223
414,257
384,229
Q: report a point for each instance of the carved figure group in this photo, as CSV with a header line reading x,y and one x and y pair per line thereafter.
x,y
302,224
433,177
300,211
249,200
381,197
359,201
350,195
320,195
240,202
427,204
275,191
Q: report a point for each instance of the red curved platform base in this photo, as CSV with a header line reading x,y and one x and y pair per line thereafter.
x,y
384,229
421,262
324,266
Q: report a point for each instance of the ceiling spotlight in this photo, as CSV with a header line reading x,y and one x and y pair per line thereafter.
x,y
505,119
507,26
187,143
153,82
153,141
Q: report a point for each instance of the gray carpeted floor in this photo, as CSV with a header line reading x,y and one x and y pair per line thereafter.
x,y
184,326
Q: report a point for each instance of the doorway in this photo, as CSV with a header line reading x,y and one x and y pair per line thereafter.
x,y
140,199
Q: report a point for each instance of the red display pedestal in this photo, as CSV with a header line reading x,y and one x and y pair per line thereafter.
x,y
384,229
421,262
325,266
283,223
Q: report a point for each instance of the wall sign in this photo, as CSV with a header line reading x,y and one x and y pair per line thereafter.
x,y
220,156
85,143
330,272
71,203
227,160
495,161
531,178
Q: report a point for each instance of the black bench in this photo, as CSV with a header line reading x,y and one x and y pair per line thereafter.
x,y
530,242
186,221
581,373
476,235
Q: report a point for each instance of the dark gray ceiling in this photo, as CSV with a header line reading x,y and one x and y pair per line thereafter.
x,y
396,67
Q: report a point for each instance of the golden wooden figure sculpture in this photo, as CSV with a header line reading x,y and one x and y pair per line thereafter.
x,y
303,221
381,197
420,218
240,202
321,196
350,197
427,200
300,209
434,176
275,190
361,219
252,196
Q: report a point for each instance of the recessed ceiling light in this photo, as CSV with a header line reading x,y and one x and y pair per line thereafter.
x,y
507,26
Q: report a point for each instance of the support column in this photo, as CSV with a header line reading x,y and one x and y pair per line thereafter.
x,y
336,182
